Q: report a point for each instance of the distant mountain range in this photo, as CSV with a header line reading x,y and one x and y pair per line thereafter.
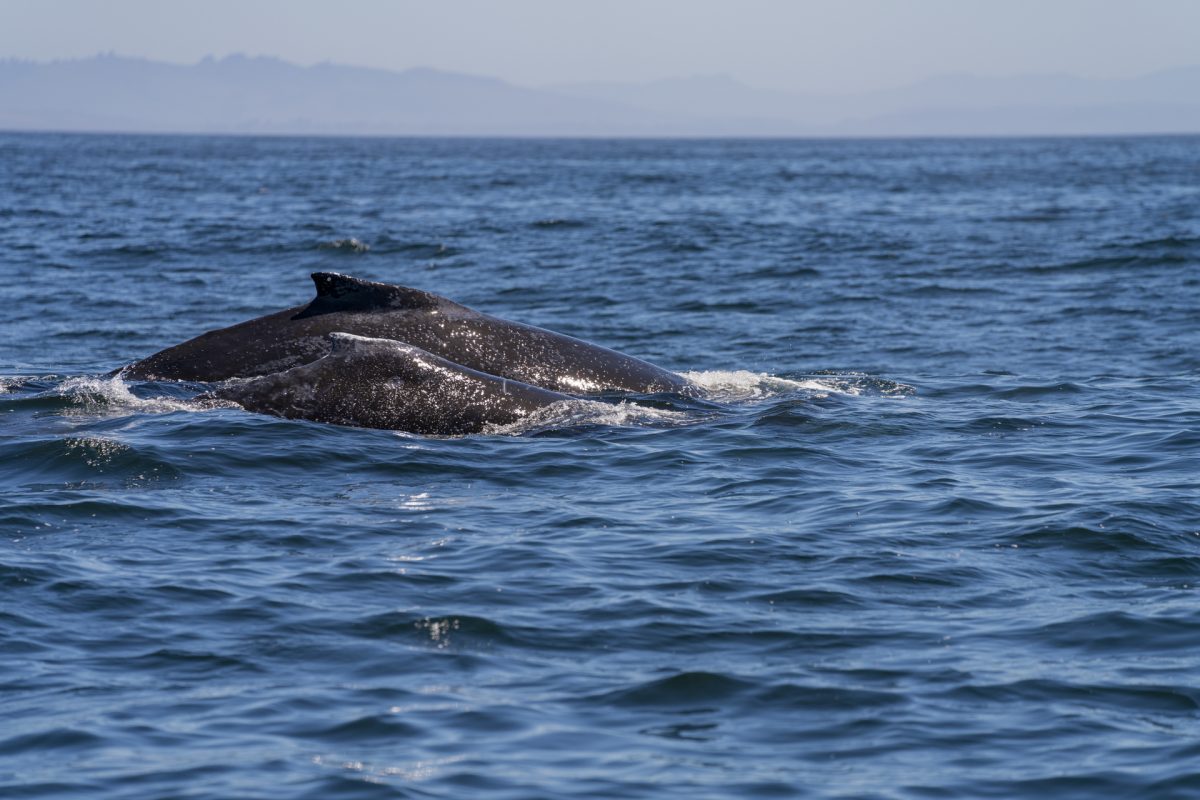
x,y
239,94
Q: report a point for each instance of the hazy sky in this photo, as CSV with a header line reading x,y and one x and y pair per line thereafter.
x,y
808,45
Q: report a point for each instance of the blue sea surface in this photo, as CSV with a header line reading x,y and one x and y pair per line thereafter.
x,y
931,531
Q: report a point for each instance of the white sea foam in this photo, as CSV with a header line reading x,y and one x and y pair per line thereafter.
x,y
741,386
572,413
350,244
99,395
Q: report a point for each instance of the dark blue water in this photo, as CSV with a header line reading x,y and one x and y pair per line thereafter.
x,y
933,532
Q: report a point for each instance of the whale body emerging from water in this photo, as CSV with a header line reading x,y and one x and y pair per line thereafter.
x,y
381,383
477,341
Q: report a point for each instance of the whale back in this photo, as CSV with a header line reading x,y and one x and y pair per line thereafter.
x,y
381,383
455,332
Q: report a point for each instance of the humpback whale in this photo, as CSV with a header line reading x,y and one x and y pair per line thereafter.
x,y
382,383
469,338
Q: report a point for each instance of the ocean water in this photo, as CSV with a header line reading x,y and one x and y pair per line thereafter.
x,y
932,531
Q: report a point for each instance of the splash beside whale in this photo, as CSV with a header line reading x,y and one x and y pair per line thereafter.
x,y
381,383
467,338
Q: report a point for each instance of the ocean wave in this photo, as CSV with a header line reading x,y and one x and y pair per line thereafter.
x,y
82,462
559,223
1165,242
416,249
1111,263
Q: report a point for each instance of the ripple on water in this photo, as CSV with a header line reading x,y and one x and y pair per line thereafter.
x,y
87,462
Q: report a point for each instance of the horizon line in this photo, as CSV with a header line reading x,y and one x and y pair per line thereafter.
x,y
610,137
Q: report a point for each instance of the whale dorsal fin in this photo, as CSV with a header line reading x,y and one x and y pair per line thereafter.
x,y
336,292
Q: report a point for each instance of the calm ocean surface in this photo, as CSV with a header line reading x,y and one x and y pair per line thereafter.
x,y
933,532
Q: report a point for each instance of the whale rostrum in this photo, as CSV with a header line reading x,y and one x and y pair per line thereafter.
x,y
382,383
469,338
